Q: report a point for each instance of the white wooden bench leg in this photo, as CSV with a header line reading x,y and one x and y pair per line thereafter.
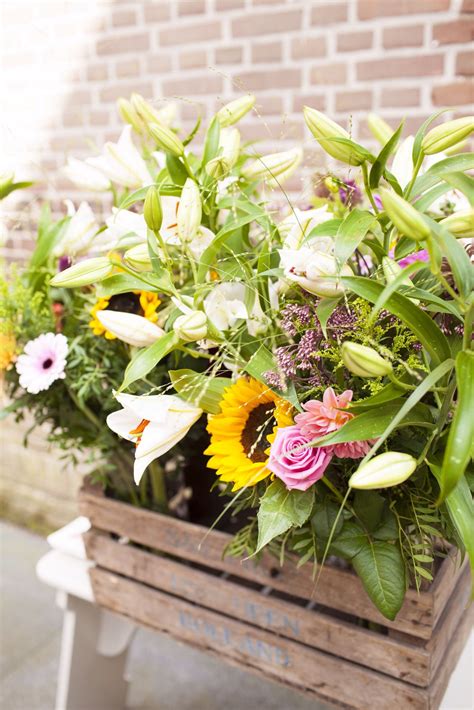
x,y
93,657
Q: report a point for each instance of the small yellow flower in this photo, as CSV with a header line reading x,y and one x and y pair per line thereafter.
x,y
142,303
7,350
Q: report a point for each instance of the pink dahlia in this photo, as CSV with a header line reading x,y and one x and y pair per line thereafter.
x,y
42,362
321,418
294,462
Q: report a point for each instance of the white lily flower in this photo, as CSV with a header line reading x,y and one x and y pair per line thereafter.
x,y
154,422
139,257
224,305
124,229
122,163
86,176
317,272
257,322
189,211
130,327
295,228
80,231
169,225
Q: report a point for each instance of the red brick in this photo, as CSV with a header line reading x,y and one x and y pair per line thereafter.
x,y
198,85
465,63
329,74
411,36
467,6
453,94
253,24
193,59
226,5
73,118
317,101
113,92
328,14
157,10
97,72
78,98
351,41
308,47
228,55
353,100
269,106
99,118
266,52
137,42
197,32
129,67
124,18
368,9
400,97
427,65
272,79
159,63
266,130
191,7
454,32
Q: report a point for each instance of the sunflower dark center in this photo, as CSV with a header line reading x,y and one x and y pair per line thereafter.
x,y
125,302
259,425
47,363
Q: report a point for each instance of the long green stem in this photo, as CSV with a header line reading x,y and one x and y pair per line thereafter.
x,y
418,165
368,190
158,486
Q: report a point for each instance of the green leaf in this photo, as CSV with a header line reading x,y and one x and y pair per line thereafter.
x,y
386,394
260,362
461,511
325,514
324,310
376,422
394,286
280,510
350,540
378,167
427,332
211,144
122,283
463,183
351,233
325,229
10,187
369,507
409,405
456,255
176,170
191,135
424,202
147,358
381,569
460,441
202,391
457,163
388,529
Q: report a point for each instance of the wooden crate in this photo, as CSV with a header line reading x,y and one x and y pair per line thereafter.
x,y
273,620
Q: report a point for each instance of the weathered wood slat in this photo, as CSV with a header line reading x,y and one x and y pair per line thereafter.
x,y
329,677
337,588
347,640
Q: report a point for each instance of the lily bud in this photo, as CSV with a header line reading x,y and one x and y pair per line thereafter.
x,y
404,216
461,224
233,111
191,326
325,131
447,135
84,273
315,271
130,328
229,142
152,210
166,139
269,167
129,115
364,361
144,110
379,128
217,168
138,257
383,471
189,211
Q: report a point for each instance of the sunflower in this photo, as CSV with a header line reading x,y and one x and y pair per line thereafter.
x,y
243,430
142,303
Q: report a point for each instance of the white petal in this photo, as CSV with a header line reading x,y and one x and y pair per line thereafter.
x,y
156,407
123,422
130,328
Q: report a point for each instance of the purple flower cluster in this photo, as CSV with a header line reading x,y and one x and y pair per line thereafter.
x,y
349,193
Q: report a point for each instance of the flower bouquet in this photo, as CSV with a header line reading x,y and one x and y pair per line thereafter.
x,y
325,347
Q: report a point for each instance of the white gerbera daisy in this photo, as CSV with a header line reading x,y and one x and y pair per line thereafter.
x,y
42,362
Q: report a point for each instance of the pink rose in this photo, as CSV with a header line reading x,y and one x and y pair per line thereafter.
x,y
321,418
294,462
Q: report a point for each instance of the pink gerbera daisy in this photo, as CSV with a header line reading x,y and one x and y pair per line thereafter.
x,y
321,418
42,362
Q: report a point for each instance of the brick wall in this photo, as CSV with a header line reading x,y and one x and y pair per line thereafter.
x,y
68,63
